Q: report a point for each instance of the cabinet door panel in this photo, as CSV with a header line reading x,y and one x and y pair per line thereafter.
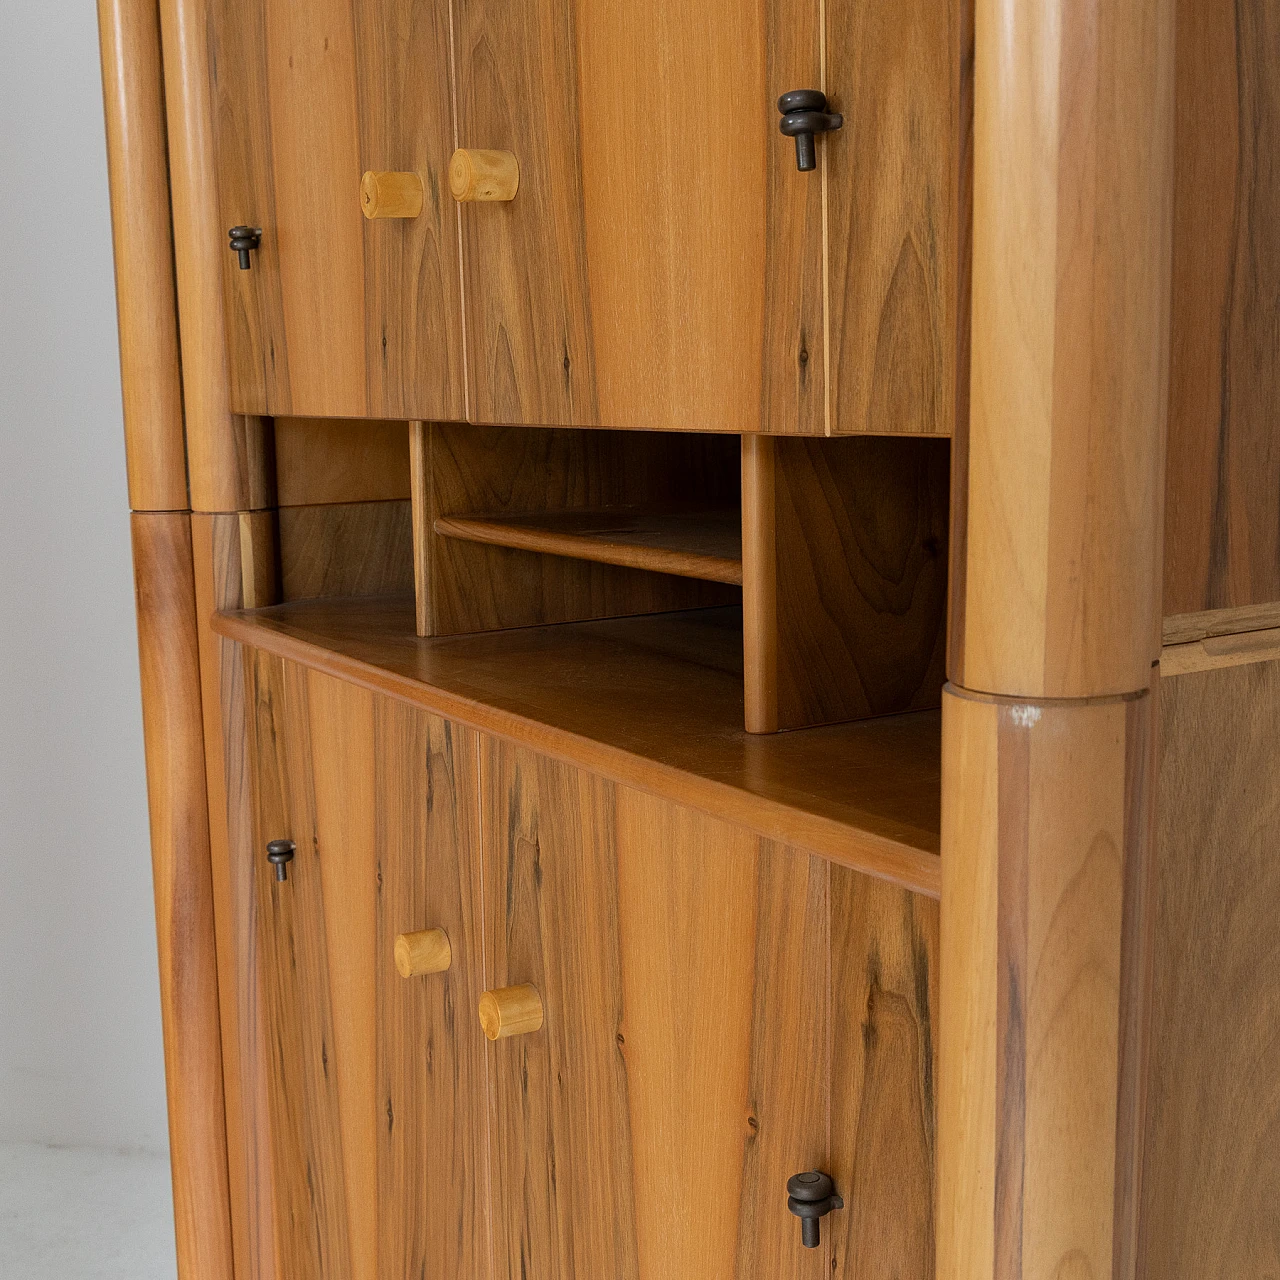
x,y
898,212
338,316
660,265
720,1013
375,1084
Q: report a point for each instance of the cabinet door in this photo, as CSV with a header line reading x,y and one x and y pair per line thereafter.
x,y
719,1014
664,264
338,315
373,1085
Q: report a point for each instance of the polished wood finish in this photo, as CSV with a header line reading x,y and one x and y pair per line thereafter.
x,y
607,291
142,241
1222,521
345,548
390,195
654,703
721,1012
483,175
897,218
704,545
331,460
1059,596
1046,827
511,1011
486,472
422,952
1212,1161
844,608
338,316
1232,650
225,579
374,1095
180,850
1206,624
228,455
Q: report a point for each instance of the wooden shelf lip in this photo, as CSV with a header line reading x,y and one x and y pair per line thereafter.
x,y
705,545
653,703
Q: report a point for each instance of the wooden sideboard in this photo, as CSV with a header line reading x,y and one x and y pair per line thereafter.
x,y
678,655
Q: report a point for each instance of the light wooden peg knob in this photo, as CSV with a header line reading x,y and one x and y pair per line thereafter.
x,y
425,952
391,195
483,175
510,1011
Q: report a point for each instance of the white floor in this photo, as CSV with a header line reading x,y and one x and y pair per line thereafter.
x,y
78,1214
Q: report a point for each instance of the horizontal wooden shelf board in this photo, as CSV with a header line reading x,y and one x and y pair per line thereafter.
x,y
654,703
701,544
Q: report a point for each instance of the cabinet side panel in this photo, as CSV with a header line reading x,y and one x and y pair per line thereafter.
x,y
169,661
1211,1176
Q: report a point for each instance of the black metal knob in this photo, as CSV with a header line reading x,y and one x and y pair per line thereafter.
x,y
811,1196
804,113
280,852
242,240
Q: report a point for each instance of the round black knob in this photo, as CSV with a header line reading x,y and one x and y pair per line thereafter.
x,y
242,240
811,1196
804,113
280,852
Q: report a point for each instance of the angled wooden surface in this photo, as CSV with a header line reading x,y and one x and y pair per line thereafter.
x,y
655,703
345,548
1058,590
896,226
605,293
169,658
1046,833
1222,519
338,316
705,545
142,240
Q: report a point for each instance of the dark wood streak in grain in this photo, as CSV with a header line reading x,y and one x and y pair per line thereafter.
x,y
1222,521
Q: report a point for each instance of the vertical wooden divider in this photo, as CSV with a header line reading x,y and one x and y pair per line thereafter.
x,y
180,840
1049,723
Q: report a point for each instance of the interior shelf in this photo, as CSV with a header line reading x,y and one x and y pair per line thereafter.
x,y
653,702
690,544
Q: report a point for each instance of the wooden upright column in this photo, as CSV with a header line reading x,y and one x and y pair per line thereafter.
x,y
1049,721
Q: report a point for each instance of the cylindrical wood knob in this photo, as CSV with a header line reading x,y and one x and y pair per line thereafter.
x,y
391,195
483,175
424,952
510,1011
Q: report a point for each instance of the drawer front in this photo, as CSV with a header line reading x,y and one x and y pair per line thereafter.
x,y
719,1013
371,1127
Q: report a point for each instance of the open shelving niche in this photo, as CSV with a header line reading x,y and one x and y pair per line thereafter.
x,y
655,606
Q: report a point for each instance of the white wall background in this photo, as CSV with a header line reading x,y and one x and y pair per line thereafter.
x,y
80,1050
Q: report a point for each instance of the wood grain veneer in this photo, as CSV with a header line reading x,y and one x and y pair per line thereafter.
x,y
476,472
897,219
331,460
228,454
1211,1171
1057,590
169,660
142,239
653,702
718,1009
845,578
339,316
1222,518
1045,853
